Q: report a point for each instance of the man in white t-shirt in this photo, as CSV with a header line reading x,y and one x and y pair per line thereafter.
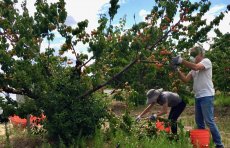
x,y
201,73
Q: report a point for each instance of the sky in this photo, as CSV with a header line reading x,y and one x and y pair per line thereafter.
x,y
139,8
79,10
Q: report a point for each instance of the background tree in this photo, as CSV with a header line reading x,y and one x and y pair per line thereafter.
x,y
218,54
42,76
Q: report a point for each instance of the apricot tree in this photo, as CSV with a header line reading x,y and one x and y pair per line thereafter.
x,y
68,95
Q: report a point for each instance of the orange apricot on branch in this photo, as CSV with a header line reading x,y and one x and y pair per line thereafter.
x,y
171,74
151,58
184,19
174,30
167,19
69,62
94,32
165,52
164,59
164,27
109,38
158,65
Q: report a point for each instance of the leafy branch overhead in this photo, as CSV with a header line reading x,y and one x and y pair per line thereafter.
x,y
113,9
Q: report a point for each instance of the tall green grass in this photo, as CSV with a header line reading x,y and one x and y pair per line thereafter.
x,y
132,140
220,100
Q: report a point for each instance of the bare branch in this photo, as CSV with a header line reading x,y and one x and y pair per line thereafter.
x,y
86,62
110,80
20,92
12,90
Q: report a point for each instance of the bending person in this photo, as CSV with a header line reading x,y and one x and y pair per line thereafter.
x,y
166,99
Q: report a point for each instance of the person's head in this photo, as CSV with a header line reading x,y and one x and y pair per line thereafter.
x,y
152,95
197,54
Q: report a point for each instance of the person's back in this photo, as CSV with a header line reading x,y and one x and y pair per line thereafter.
x,y
165,99
171,98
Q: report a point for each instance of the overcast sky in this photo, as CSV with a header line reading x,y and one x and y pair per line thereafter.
x,y
79,10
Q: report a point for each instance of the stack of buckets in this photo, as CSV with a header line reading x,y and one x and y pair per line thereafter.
x,y
21,122
17,121
200,138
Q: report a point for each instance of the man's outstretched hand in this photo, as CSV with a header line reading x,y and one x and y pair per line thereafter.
x,y
153,117
176,60
138,118
174,67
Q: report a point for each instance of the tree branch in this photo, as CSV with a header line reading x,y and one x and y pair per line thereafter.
x,y
12,90
125,68
20,92
111,79
86,62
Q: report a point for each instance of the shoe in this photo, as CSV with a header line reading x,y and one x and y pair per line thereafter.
x,y
219,146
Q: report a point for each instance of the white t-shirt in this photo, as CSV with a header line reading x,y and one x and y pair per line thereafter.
x,y
202,80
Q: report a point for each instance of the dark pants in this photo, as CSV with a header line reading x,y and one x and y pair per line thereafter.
x,y
174,114
3,120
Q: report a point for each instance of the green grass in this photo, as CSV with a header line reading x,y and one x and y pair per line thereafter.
x,y
133,139
123,139
222,100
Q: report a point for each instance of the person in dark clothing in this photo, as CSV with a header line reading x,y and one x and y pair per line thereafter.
x,y
2,119
166,99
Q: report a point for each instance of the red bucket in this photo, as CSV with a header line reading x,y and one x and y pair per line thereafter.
x,y
161,127
17,121
21,122
200,138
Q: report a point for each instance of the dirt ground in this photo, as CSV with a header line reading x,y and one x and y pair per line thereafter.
x,y
119,108
2,129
